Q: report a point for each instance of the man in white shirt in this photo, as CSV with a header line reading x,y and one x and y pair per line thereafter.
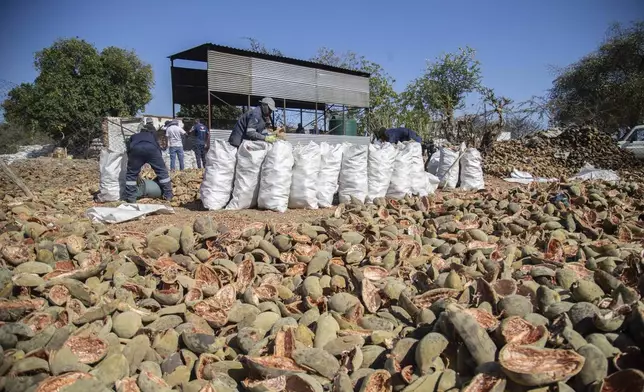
x,y
174,134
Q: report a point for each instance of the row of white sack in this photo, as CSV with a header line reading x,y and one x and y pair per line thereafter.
x,y
280,176
450,166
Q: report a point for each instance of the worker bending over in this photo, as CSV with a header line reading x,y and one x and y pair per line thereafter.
x,y
252,125
395,135
144,148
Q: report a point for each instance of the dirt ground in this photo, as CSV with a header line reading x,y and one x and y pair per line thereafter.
x,y
72,182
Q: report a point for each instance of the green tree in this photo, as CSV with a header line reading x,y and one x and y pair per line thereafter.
x,y
606,87
441,90
221,114
382,97
76,86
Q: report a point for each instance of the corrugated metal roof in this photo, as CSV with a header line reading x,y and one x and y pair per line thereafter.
x,y
298,138
200,53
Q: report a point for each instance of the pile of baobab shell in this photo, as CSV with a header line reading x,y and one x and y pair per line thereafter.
x,y
531,289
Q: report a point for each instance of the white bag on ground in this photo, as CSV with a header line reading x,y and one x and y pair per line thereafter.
x,y
400,184
433,162
330,164
353,174
250,157
448,168
113,168
419,182
219,175
304,191
472,170
433,182
380,169
275,178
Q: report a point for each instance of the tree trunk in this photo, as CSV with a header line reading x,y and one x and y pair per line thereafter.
x,y
17,180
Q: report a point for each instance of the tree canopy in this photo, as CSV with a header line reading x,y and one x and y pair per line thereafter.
x,y
606,87
76,86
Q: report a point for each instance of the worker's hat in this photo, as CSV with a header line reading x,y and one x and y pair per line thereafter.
x,y
268,102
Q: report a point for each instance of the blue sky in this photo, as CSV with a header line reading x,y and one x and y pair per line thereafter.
x,y
518,42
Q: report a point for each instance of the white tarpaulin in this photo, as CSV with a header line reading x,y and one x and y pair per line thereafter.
x,y
250,156
304,191
112,168
219,175
275,179
330,164
589,173
353,174
472,170
380,168
126,212
521,177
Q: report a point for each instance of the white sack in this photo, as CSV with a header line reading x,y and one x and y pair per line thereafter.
x,y
353,174
400,185
250,156
380,168
304,191
448,168
472,170
113,168
433,162
219,175
433,182
275,179
419,182
522,177
330,164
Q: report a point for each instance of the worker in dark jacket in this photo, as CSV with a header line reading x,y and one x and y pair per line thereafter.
x,y
252,125
144,148
395,135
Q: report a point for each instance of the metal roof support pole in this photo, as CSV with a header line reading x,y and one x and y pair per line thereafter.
x,y
324,125
172,85
209,112
284,114
344,122
315,125
301,118
248,108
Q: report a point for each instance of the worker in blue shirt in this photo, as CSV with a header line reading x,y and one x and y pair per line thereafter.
x,y
144,148
395,135
202,139
252,125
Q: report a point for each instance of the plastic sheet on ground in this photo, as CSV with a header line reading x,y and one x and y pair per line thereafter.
x,y
590,173
521,177
471,170
250,156
353,174
113,168
330,164
275,178
219,175
380,168
126,212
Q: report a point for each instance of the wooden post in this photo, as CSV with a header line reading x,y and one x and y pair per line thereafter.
x,y
17,180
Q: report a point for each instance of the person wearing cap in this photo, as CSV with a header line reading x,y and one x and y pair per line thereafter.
x,y
395,135
174,134
253,125
202,139
144,148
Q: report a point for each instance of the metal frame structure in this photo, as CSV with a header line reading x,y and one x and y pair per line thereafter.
x,y
240,77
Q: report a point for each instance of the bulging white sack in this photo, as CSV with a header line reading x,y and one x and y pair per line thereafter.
x,y
113,168
419,182
275,178
472,170
304,191
433,182
448,168
353,174
433,162
400,184
330,164
219,175
380,168
250,156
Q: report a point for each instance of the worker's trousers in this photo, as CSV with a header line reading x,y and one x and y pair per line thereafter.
x,y
200,155
178,152
138,156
